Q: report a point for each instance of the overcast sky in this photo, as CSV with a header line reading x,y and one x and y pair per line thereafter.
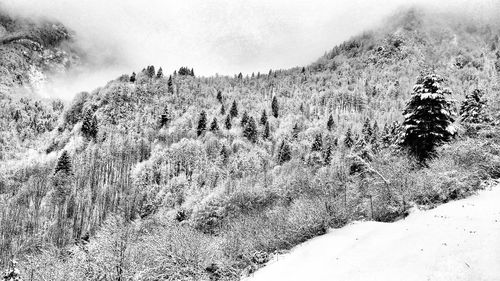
x,y
217,36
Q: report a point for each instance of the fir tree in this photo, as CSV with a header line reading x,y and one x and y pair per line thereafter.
x,y
227,124
327,155
63,164
160,73
165,117
367,131
234,110
219,96
240,76
214,127
192,72
170,85
275,107
150,71
222,110
473,108
295,131
263,118
132,78
318,143
89,126
224,153
330,123
244,119
202,123
267,132
428,118
250,131
284,153
375,133
348,139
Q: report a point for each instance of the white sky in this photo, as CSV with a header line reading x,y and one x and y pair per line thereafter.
x,y
217,36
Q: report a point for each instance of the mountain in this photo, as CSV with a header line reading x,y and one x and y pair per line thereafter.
x,y
177,177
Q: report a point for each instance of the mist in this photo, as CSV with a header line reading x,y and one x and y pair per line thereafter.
x,y
214,37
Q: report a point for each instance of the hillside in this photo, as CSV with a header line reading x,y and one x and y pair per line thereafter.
x,y
455,241
158,176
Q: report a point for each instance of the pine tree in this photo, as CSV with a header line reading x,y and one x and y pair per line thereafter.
x,y
348,140
250,131
89,126
224,153
170,85
473,108
367,131
192,72
327,155
267,132
318,143
330,123
263,118
227,124
214,127
222,110
165,117
202,123
284,153
375,133
132,78
275,107
160,73
219,96
63,164
234,110
295,131
428,118
240,76
150,71
244,119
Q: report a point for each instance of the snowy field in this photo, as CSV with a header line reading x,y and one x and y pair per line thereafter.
x,y
459,240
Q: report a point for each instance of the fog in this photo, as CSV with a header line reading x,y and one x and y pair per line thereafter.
x,y
217,36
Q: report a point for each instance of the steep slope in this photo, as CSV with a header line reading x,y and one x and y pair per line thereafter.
x,y
248,165
459,240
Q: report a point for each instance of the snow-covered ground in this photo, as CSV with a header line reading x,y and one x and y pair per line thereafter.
x,y
459,240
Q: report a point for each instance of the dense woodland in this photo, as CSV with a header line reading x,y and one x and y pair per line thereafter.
x,y
159,176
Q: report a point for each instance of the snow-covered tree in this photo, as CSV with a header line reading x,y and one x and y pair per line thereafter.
x,y
429,118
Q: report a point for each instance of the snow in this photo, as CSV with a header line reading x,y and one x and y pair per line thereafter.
x,y
459,240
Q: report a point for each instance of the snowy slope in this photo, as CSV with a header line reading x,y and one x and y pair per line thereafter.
x,y
455,241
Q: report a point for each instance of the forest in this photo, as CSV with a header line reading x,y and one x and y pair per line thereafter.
x,y
174,176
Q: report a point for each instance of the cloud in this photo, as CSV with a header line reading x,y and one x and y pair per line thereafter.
x,y
217,36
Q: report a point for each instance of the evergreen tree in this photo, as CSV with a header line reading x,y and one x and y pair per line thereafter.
x,y
192,72
473,108
375,133
244,119
63,164
275,107
219,96
330,123
367,131
284,153
228,122
428,118
150,71
202,123
214,127
263,118
318,143
327,155
89,126
348,140
267,132
295,131
234,110
222,110
240,76
170,85
250,131
224,153
132,78
160,73
165,117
